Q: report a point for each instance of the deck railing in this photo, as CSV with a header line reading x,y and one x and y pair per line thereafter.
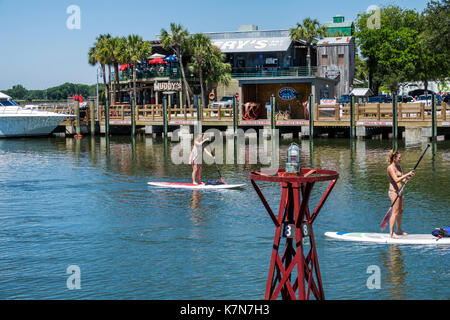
x,y
154,112
338,113
380,112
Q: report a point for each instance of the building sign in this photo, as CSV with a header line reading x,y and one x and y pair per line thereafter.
x,y
287,93
253,45
167,86
332,73
327,102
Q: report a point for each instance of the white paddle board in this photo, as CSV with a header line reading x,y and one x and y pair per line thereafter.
x,y
180,185
386,238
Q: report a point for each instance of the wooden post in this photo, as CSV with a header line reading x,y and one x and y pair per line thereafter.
x,y
394,116
235,114
444,111
77,119
433,118
311,115
197,101
272,112
165,121
352,117
92,117
133,116
107,117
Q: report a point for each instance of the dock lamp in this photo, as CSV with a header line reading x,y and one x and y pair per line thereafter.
x,y
293,159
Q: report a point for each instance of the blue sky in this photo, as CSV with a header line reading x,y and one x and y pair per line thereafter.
x,y
39,51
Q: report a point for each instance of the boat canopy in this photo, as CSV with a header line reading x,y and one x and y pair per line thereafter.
x,y
4,96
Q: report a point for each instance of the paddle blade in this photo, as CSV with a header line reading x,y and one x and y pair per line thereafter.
x,y
384,223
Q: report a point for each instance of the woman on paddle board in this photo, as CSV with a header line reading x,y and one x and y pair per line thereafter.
x,y
195,158
396,178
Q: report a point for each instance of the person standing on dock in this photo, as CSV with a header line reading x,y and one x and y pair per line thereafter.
x,y
195,158
396,178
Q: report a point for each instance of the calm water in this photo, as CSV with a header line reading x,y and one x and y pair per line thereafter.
x,y
87,204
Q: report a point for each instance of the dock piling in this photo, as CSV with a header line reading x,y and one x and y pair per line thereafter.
x,y
394,116
92,116
77,120
311,115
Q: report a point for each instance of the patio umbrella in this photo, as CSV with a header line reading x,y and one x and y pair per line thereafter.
x,y
171,59
156,55
157,61
124,66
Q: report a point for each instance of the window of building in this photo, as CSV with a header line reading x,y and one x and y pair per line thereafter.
x,y
324,60
340,60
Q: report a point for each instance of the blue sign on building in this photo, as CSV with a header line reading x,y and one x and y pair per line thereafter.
x,y
287,93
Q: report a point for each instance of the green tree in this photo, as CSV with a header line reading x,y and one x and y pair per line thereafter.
x,y
391,51
200,47
115,48
215,70
99,54
309,31
177,41
434,41
17,92
136,50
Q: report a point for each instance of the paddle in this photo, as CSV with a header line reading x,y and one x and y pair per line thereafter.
x,y
217,167
384,223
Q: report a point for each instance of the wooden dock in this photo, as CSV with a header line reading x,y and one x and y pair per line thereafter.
x,y
344,117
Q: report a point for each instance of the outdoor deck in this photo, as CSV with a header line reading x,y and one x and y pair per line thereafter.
x,y
410,115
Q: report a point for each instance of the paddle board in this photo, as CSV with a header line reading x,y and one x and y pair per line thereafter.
x,y
179,185
385,238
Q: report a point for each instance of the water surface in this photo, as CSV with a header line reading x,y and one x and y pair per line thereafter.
x,y
88,204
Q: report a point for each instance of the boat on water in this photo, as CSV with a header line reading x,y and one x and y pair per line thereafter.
x,y
17,121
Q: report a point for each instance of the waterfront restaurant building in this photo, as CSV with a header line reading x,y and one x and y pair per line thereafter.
x,y
269,62
264,63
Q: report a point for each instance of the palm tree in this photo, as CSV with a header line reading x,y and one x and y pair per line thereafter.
x,y
98,54
136,50
115,50
309,31
200,47
176,40
214,69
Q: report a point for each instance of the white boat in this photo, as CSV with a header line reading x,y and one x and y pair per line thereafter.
x,y
16,121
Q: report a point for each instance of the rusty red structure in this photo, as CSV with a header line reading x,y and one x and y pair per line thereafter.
x,y
294,223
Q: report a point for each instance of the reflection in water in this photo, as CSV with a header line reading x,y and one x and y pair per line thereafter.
x,y
196,199
396,273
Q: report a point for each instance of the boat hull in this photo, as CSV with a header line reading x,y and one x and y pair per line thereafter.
x,y
29,126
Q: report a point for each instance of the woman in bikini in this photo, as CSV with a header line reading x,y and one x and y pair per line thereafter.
x,y
396,178
195,158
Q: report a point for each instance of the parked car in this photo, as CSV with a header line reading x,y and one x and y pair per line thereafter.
x,y
381,98
427,99
405,98
446,98
226,101
345,98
